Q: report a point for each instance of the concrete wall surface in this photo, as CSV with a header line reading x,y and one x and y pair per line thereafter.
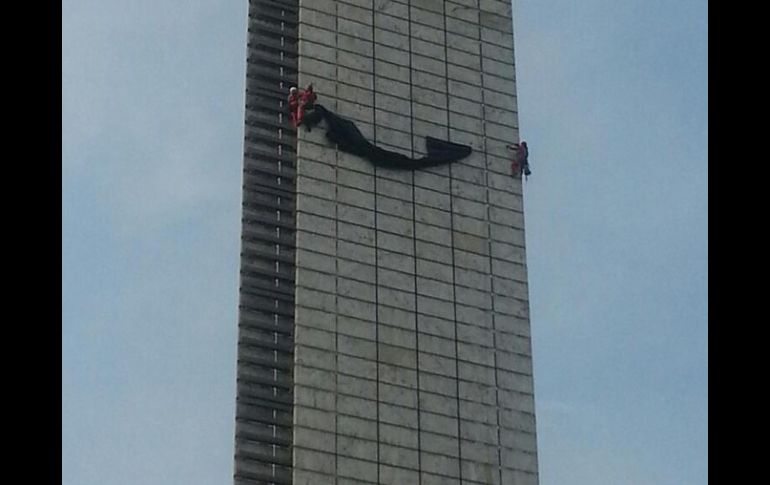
x,y
412,359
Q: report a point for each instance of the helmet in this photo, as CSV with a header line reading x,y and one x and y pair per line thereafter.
x,y
293,90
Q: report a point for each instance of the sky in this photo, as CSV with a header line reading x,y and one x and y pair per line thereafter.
x,y
613,103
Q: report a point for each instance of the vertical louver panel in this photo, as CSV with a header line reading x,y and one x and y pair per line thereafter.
x,y
266,307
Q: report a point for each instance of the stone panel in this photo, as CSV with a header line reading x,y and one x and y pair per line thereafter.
x,y
412,343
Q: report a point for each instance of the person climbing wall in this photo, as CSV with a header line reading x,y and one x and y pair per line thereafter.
x,y
307,99
293,105
523,156
520,161
300,101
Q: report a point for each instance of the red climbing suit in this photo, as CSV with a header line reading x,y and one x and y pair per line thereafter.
x,y
519,162
299,101
293,106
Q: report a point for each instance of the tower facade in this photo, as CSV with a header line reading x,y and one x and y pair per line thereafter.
x,y
384,333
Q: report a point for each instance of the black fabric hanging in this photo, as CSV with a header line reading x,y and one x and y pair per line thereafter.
x,y
349,139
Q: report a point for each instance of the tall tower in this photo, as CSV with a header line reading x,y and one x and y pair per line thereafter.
x,y
384,333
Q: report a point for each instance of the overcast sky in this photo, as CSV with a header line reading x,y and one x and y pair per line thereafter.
x,y
613,103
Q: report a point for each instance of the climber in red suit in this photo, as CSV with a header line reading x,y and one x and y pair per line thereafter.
x,y
520,161
293,106
299,102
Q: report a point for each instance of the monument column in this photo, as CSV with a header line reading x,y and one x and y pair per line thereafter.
x,y
413,356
